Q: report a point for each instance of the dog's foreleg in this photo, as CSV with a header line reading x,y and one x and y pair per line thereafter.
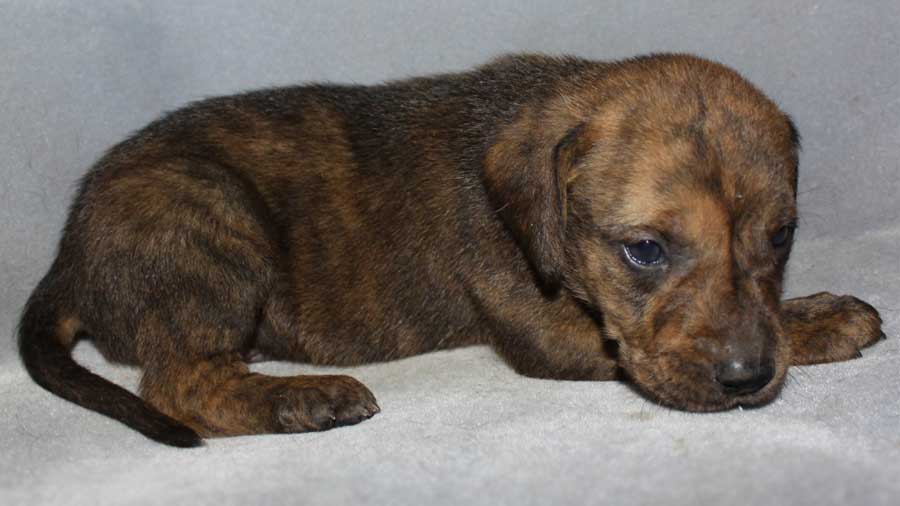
x,y
829,328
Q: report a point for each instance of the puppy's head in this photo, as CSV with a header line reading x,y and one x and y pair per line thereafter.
x,y
663,194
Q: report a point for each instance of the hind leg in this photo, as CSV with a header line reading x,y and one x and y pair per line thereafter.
x,y
219,396
214,392
187,267
199,376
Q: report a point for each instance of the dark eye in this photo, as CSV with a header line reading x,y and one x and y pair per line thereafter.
x,y
782,236
644,253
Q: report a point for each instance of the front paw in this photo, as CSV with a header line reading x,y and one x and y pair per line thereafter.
x,y
829,328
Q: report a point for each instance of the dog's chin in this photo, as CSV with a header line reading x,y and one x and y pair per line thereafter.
x,y
694,389
713,399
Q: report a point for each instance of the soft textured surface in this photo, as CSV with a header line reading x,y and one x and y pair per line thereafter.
x,y
460,427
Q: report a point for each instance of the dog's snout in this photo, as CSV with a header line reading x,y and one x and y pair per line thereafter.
x,y
739,377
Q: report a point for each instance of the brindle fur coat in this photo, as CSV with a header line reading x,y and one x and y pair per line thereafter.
x,y
509,205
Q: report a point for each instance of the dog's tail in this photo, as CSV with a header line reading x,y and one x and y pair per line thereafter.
x,y
45,342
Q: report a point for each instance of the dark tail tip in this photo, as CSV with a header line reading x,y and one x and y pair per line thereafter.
x,y
50,364
176,435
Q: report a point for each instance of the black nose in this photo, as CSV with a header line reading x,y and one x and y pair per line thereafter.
x,y
738,377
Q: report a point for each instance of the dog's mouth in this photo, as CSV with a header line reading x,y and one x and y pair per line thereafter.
x,y
693,387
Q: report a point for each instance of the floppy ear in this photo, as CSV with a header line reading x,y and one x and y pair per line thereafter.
x,y
526,172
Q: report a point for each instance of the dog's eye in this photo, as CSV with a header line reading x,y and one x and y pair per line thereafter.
x,y
782,236
644,253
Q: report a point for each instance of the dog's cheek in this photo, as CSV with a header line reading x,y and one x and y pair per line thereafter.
x,y
657,348
690,386
599,278
675,367
676,380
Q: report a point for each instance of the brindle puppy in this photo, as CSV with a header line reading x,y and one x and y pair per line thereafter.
x,y
587,219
